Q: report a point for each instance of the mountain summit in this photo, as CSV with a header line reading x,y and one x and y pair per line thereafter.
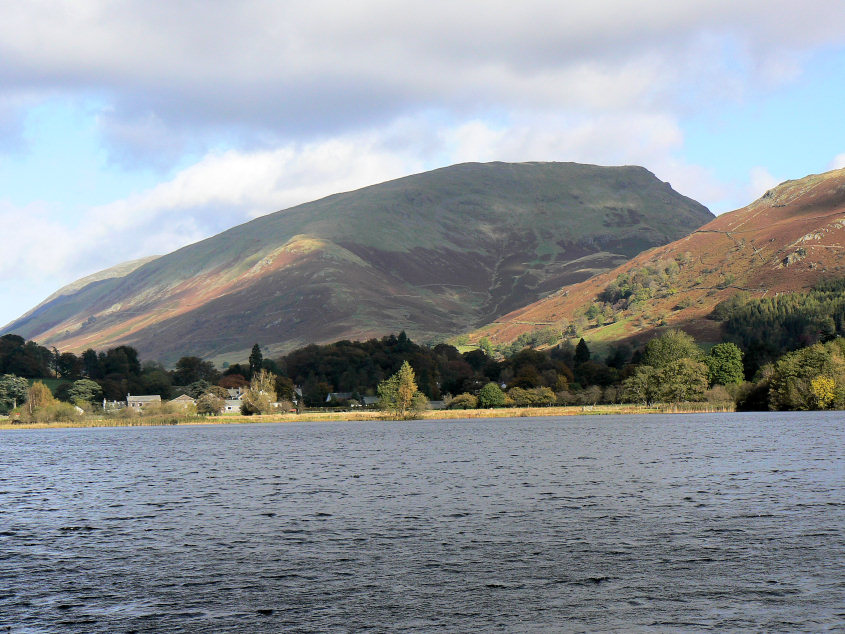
x,y
433,254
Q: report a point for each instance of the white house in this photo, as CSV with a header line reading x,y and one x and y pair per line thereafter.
x,y
233,405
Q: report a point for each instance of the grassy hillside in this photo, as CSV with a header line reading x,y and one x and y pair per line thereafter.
x,y
787,240
433,254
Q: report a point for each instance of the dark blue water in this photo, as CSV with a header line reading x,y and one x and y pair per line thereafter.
x,y
701,522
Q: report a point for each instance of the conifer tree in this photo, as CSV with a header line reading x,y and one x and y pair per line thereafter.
x,y
582,352
255,360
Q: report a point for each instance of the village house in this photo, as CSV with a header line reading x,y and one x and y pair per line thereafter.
x,y
137,402
233,403
183,400
232,406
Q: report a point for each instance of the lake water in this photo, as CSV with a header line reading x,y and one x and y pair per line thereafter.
x,y
600,523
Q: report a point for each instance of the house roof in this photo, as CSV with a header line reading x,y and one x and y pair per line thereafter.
x,y
153,398
183,398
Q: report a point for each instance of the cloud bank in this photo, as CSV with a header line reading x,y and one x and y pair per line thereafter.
x,y
272,70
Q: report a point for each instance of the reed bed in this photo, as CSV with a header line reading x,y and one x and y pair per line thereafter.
x,y
371,415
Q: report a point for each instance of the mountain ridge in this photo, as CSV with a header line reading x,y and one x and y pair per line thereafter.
x,y
433,253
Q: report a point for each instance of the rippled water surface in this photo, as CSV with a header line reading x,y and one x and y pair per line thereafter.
x,y
721,522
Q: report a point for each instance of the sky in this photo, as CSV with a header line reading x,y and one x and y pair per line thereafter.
x,y
132,128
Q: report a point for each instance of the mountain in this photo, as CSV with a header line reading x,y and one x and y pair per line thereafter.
x,y
788,240
111,275
434,254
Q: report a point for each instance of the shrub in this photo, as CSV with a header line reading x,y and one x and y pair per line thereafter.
x,y
463,401
210,404
591,395
534,397
284,406
565,397
792,382
56,412
158,409
520,397
718,394
124,413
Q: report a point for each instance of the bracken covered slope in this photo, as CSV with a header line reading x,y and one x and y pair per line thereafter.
x,y
789,239
434,254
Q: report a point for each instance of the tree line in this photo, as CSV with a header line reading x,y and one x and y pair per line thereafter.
x,y
566,374
768,327
749,367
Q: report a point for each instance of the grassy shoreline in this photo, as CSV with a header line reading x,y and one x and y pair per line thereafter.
x,y
311,417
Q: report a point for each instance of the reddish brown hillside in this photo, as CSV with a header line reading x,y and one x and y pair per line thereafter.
x,y
787,240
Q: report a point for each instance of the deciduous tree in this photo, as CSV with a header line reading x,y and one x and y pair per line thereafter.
x,y
210,404
399,394
491,395
261,395
37,396
671,346
724,364
682,380
791,383
463,401
823,389
643,386
13,391
192,369
84,391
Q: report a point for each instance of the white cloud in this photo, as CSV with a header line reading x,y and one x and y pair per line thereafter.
x,y
761,181
838,162
302,68
723,196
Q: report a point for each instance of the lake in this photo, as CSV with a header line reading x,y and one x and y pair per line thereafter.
x,y
584,523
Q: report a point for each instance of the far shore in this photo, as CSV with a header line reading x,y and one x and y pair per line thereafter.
x,y
374,415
